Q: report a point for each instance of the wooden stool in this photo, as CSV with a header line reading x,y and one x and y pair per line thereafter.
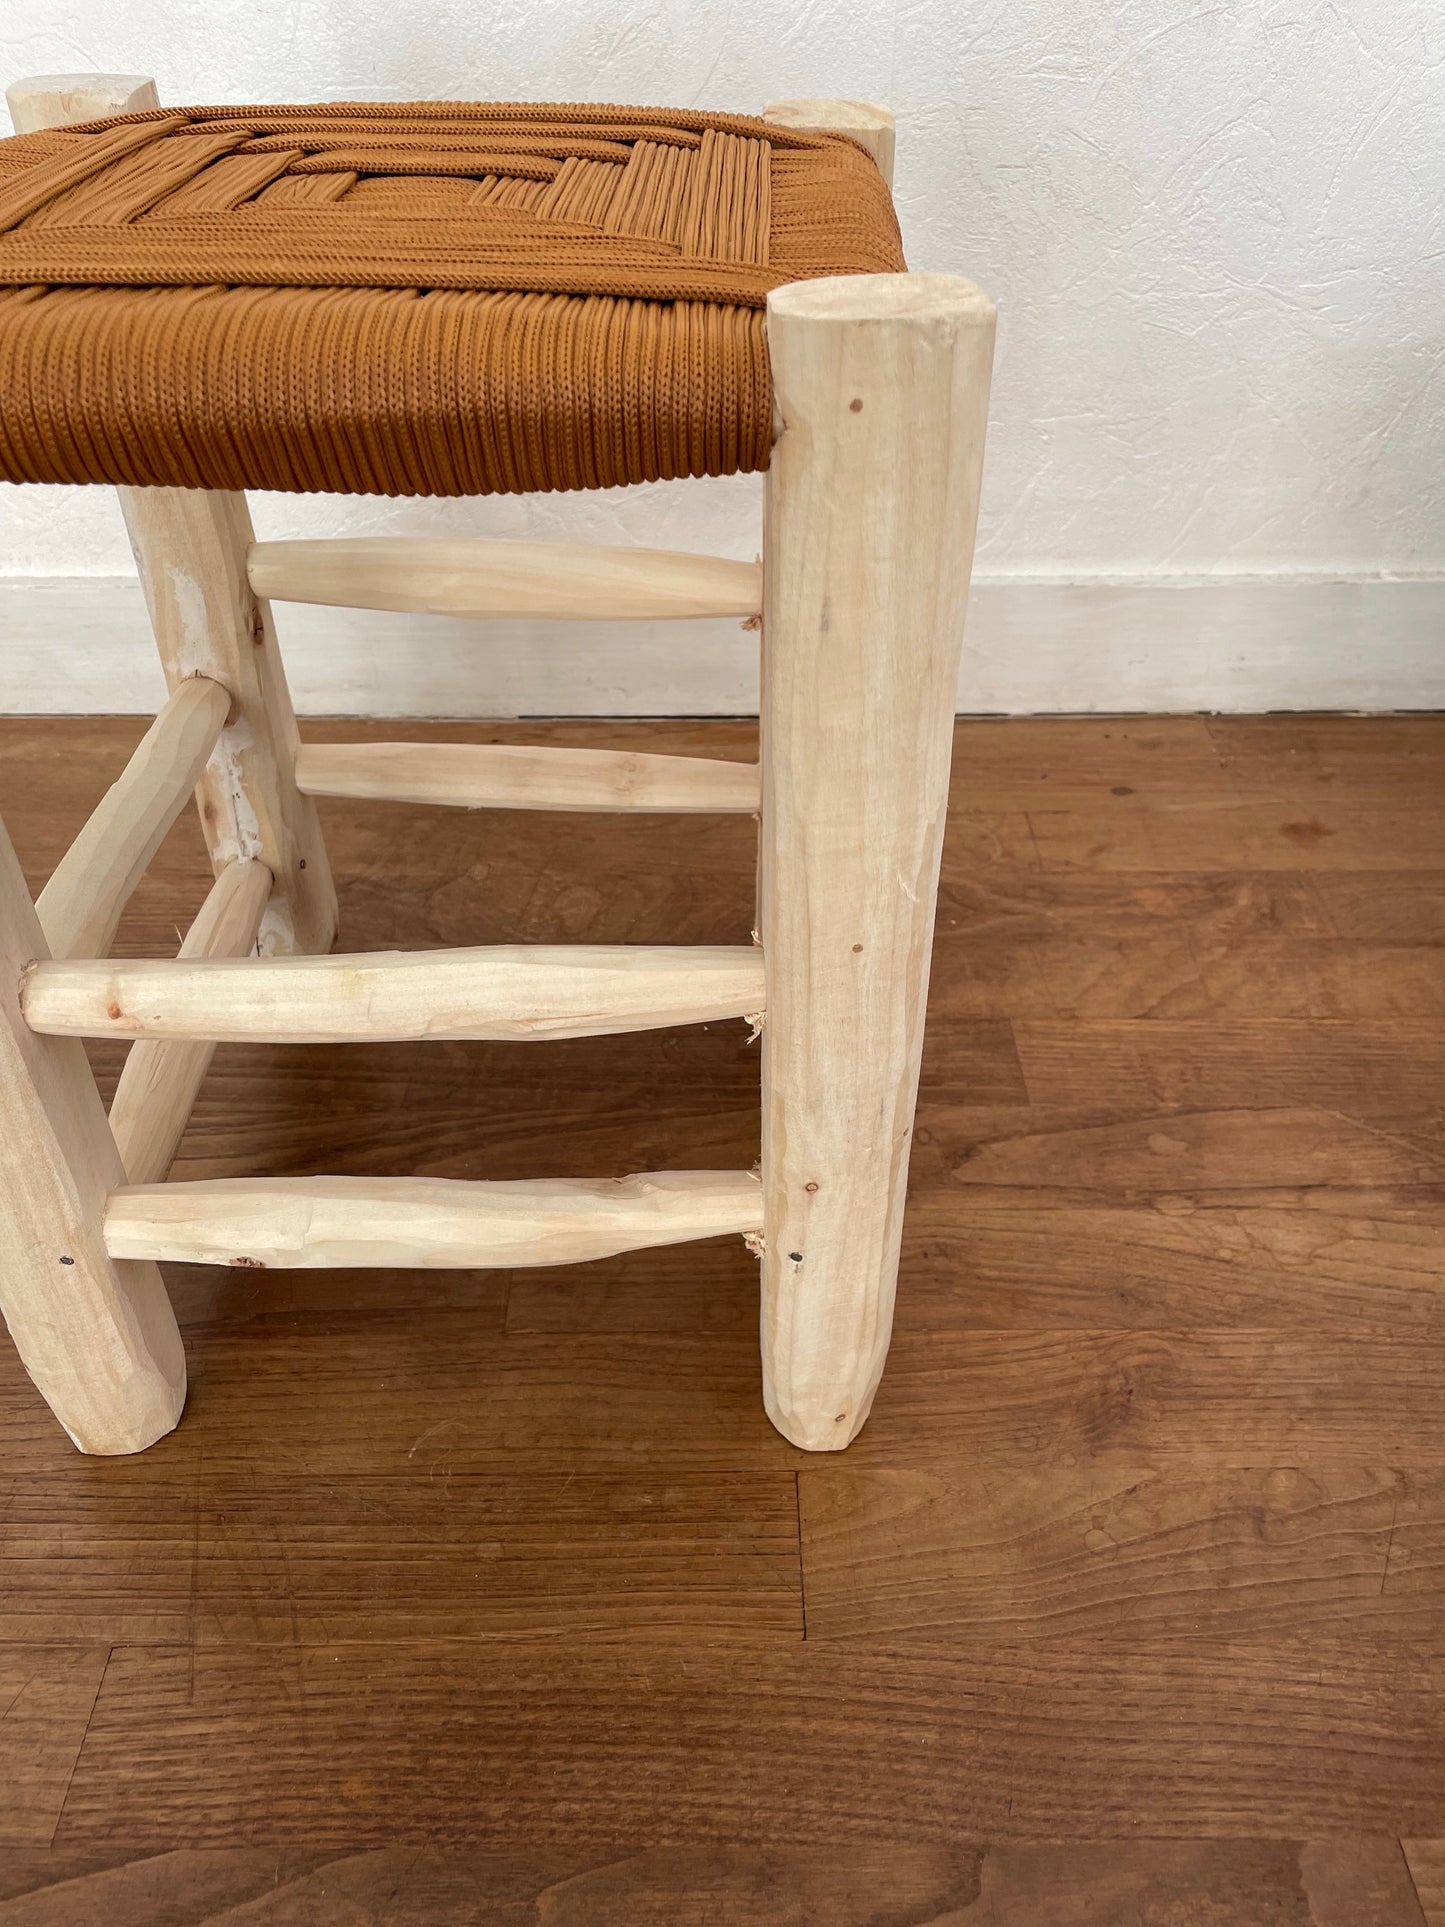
x,y
879,391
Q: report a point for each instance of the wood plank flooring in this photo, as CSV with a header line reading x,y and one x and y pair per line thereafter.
x,y
493,1597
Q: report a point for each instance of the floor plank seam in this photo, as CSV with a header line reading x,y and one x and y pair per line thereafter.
x,y
1414,1884
75,1762
802,1579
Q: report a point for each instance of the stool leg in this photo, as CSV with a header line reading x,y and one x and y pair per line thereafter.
x,y
881,385
97,1335
190,547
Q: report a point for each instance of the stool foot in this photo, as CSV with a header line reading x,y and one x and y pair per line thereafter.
x,y
882,392
97,1335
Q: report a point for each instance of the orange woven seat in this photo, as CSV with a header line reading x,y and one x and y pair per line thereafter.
x,y
449,299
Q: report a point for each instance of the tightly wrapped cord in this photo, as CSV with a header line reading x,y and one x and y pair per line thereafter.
x,y
440,299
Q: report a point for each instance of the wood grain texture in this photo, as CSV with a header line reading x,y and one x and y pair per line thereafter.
x,y
1067,1552
195,1553
864,121
1140,1554
98,1337
1426,1859
158,1085
80,907
47,1694
881,388
512,991
426,1223
1228,1738
476,776
1346,1882
50,100
461,576
190,549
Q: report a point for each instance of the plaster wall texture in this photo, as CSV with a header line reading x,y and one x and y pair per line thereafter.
x,y
1215,233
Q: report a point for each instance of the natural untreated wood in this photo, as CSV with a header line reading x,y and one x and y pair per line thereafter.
x,y
54,100
159,1083
98,1337
80,907
492,776
509,990
457,576
190,550
872,495
429,1223
864,121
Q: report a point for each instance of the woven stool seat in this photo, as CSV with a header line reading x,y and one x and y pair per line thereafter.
x,y
450,299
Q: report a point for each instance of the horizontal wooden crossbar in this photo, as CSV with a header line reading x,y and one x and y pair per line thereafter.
x,y
458,576
512,776
432,1223
161,1077
81,905
507,991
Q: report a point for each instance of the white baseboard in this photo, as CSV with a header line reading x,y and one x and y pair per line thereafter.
x,y
75,645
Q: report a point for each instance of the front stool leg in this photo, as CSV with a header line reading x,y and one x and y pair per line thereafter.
x,y
881,386
96,1334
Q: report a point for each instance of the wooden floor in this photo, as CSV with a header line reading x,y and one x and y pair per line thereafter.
x,y
494,1597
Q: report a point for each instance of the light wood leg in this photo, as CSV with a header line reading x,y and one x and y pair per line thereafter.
x,y
96,1334
864,121
61,100
190,547
882,394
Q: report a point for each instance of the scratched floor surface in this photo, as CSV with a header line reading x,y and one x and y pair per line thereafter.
x,y
493,1597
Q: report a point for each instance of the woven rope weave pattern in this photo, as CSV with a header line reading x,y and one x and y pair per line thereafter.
x,y
423,299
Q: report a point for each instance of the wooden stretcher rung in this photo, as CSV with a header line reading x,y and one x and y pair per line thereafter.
x,y
81,905
515,991
512,776
432,1223
459,576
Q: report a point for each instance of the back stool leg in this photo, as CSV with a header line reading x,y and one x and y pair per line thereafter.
x,y
190,547
881,384
96,1334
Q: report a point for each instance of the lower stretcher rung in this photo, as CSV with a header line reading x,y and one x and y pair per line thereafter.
x,y
516,991
429,1223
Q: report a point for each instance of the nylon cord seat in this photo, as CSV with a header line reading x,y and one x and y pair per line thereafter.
x,y
431,299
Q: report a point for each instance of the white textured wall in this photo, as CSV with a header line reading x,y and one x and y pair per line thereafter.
x,y
1215,232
